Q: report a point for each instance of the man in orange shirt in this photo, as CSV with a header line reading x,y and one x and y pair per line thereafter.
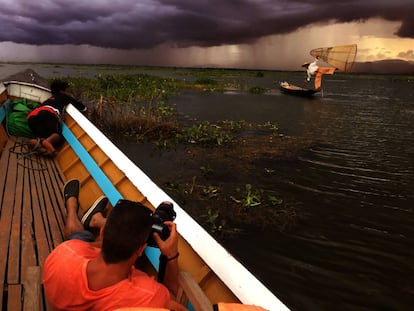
x,y
81,275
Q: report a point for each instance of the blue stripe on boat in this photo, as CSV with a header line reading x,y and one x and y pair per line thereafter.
x,y
103,182
101,179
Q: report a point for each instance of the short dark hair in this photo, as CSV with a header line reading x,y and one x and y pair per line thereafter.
x,y
127,228
58,85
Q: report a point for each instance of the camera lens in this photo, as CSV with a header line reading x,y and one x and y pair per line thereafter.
x,y
164,212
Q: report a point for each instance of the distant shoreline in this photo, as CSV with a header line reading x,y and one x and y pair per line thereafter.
x,y
386,67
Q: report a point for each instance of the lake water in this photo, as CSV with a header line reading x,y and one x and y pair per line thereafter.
x,y
354,247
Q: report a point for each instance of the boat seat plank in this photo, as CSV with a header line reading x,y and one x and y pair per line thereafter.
x,y
31,223
190,292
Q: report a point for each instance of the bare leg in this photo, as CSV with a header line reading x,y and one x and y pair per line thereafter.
x,y
73,223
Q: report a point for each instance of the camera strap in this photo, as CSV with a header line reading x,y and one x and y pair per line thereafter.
x,y
161,268
163,265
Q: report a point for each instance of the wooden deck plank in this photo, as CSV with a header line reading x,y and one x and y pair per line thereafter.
x,y
54,210
3,174
14,301
42,243
40,218
13,273
32,289
9,180
28,244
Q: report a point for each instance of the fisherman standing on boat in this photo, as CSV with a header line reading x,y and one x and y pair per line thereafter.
x,y
87,274
45,122
312,68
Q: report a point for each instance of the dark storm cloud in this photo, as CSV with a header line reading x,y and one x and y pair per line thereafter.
x,y
130,24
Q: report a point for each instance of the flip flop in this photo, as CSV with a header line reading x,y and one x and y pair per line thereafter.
x,y
97,207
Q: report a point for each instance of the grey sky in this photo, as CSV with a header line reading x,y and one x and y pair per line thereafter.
x,y
131,24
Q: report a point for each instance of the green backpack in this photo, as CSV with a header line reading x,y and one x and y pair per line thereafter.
x,y
16,120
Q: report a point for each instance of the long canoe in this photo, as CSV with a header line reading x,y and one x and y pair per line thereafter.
x,y
102,168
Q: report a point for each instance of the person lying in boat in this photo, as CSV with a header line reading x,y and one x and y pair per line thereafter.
x,y
313,68
44,121
84,273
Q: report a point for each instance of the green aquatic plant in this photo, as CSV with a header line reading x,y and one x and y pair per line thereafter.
x,y
125,87
212,220
180,191
165,110
271,125
204,133
274,200
206,171
206,81
233,125
249,197
211,192
257,90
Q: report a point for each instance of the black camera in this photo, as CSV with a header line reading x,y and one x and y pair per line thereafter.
x,y
164,212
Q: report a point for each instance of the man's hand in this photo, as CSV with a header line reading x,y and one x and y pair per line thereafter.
x,y
169,247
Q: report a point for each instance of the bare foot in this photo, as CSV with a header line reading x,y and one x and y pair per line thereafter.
x,y
34,143
49,147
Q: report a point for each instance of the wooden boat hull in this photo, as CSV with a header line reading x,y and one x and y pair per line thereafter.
x,y
102,168
291,89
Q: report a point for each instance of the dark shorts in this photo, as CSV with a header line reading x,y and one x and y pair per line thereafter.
x,y
45,124
84,235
